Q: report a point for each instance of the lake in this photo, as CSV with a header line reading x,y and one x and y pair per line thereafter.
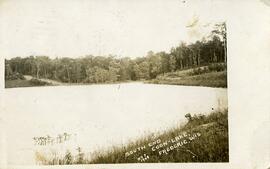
x,y
98,116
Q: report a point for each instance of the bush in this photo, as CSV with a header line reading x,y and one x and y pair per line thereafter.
x,y
37,82
198,71
218,67
15,76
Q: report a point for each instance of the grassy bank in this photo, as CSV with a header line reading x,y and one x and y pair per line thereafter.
x,y
213,79
25,83
202,139
209,76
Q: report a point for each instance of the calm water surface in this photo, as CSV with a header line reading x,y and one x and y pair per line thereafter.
x,y
98,116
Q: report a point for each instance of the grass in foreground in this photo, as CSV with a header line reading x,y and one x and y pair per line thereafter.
x,y
205,140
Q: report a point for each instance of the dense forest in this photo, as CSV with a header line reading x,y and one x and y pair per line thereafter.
x,y
101,69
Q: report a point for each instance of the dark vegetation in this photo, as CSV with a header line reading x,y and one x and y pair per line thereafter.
x,y
210,146
37,82
14,76
214,75
110,69
207,69
18,80
25,83
17,83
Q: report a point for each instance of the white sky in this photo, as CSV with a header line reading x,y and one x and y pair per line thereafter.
x,y
119,27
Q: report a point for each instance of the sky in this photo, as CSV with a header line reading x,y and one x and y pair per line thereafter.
x,y
68,28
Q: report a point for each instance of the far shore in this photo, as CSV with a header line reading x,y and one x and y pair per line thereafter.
x,y
214,76
107,83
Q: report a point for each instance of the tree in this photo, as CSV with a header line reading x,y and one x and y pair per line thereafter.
x,y
154,65
221,30
103,69
172,63
8,70
125,71
165,62
142,70
114,69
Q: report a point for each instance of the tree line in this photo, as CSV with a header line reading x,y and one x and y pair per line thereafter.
x,y
101,69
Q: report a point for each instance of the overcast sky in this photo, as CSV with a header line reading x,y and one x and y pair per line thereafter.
x,y
119,27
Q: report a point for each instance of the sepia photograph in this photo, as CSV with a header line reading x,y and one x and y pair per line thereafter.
x,y
110,82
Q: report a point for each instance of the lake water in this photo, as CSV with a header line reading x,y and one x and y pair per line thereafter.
x,y
98,116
